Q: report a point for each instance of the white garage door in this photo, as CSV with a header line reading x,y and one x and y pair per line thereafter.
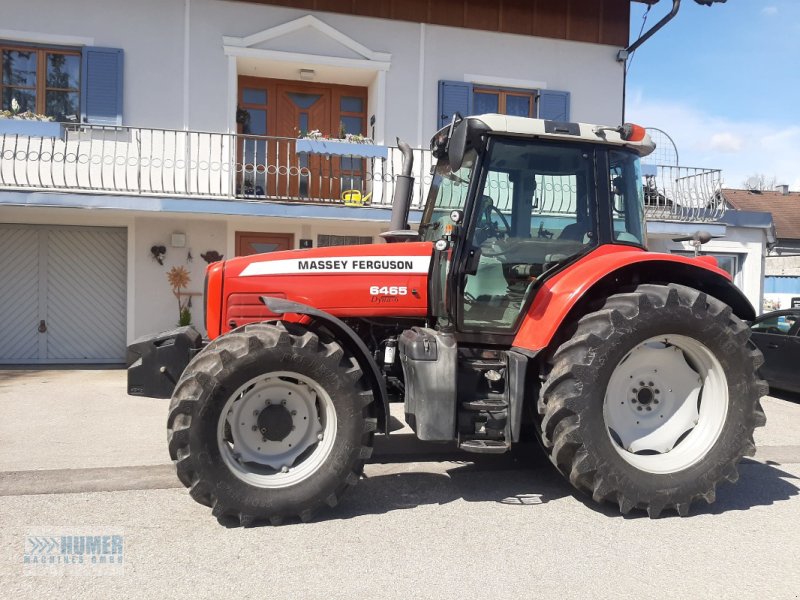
x,y
62,294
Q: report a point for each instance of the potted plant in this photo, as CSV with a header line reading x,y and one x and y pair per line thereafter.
x,y
315,142
179,279
15,122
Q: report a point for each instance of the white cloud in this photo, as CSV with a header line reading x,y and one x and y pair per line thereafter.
x,y
739,148
726,142
769,11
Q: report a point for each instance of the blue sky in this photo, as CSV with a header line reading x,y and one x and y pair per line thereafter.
x,y
724,83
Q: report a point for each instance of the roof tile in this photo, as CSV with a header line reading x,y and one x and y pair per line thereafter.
x,y
785,208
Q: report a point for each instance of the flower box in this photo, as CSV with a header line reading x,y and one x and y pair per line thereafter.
x,y
29,127
341,148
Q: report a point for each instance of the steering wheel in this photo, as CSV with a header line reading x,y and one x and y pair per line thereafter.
x,y
487,228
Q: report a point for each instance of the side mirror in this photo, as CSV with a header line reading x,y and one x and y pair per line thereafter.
x,y
458,145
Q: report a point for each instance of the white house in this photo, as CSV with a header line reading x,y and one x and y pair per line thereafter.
x,y
178,130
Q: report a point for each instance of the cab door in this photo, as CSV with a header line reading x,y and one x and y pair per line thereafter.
x,y
534,210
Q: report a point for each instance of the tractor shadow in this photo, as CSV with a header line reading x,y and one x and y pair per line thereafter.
x,y
759,484
435,475
525,478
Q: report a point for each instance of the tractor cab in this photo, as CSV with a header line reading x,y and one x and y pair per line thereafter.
x,y
515,200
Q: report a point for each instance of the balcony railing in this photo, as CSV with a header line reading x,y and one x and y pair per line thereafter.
x,y
168,162
684,194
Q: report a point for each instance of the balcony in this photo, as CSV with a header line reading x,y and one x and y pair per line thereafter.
x,y
192,164
174,163
683,194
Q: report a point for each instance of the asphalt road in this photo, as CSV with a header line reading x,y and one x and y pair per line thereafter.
x,y
424,523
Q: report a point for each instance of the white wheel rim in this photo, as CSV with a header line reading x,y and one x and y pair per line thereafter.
x,y
281,427
666,404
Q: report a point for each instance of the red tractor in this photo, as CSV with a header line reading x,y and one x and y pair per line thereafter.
x,y
525,303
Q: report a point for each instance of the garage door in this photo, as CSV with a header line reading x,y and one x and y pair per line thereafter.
x,y
62,294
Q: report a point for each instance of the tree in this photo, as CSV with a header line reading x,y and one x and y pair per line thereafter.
x,y
760,182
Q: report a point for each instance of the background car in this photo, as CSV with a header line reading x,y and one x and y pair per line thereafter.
x,y
777,335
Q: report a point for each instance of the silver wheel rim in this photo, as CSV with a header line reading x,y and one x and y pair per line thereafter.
x,y
666,404
277,429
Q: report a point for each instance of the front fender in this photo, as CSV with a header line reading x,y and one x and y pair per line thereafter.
x,y
350,339
568,295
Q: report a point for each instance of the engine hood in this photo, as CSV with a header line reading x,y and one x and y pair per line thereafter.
x,y
374,280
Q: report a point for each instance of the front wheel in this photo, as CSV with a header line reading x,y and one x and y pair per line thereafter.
x,y
654,399
268,423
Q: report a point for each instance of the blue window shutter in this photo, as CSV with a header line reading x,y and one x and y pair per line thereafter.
x,y
454,97
101,86
554,106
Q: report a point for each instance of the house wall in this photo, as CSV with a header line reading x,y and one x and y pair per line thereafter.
x,y
157,87
155,307
784,265
589,71
748,243
150,32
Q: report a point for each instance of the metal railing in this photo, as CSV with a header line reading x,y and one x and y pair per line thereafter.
x,y
169,162
684,194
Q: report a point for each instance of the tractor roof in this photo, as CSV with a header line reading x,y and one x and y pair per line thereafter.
x,y
598,134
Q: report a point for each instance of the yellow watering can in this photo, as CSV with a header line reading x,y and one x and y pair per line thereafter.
x,y
355,198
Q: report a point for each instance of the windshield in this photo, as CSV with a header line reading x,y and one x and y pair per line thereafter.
x,y
448,193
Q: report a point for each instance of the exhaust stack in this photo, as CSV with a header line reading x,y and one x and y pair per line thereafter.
x,y
401,201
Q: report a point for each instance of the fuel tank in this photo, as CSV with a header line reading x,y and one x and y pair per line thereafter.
x,y
375,280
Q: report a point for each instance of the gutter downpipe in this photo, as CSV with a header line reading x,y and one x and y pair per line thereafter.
x,y
622,55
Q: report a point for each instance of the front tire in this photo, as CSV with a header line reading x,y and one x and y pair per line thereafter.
x,y
654,400
268,423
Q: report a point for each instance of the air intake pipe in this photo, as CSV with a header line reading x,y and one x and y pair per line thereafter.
x,y
401,201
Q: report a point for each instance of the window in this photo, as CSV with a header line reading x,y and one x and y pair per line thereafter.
x,y
324,241
448,192
351,115
42,80
467,98
732,263
517,103
778,324
627,197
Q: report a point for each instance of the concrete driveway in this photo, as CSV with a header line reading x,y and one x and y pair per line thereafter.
x,y
426,522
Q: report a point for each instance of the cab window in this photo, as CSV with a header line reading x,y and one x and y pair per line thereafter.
x,y
627,197
777,325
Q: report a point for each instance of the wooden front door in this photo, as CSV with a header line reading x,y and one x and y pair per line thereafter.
x,y
301,110
287,110
248,243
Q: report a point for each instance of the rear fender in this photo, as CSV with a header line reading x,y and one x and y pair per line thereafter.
x,y
580,288
347,337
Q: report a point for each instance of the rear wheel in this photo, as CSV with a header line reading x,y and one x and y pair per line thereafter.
x,y
654,399
268,423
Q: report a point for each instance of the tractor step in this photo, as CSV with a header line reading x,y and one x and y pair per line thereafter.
x,y
487,404
484,446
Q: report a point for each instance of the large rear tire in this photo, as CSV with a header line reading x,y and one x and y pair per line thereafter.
x,y
268,423
654,399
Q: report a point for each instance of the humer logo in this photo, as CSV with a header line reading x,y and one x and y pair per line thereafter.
x,y
74,551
